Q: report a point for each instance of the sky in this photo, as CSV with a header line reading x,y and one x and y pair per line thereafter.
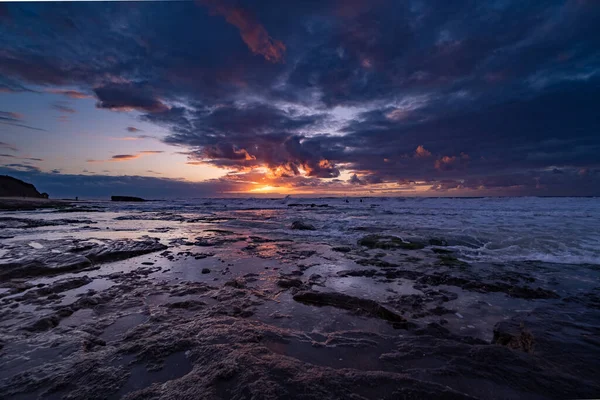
x,y
214,98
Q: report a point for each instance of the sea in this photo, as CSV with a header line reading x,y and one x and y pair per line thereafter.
x,y
563,230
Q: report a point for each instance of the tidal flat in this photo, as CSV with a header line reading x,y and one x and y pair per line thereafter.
x,y
307,299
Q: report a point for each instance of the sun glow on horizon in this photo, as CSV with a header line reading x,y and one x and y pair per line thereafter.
x,y
266,188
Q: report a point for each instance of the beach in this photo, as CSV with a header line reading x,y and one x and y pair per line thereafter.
x,y
309,298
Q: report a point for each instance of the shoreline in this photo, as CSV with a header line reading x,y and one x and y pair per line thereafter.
x,y
152,303
31,203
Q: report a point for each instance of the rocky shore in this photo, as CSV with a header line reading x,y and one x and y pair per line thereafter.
x,y
154,305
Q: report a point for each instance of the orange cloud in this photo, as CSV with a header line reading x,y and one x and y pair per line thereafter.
x,y
74,94
252,32
448,163
422,152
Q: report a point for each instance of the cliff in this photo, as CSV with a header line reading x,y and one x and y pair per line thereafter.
x,y
13,187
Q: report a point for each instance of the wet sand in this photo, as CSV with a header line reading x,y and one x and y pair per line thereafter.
x,y
147,304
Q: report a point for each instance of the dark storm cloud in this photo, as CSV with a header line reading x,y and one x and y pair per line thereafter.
x,y
245,136
457,95
125,97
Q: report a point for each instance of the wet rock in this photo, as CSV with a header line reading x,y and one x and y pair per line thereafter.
x,y
236,283
44,264
220,231
200,256
438,242
27,223
316,279
347,302
483,286
259,239
45,323
387,242
126,198
304,226
123,249
58,286
205,271
451,261
218,240
289,283
513,335
526,292
375,262
442,251
49,321
363,272
278,315
311,205
439,310
342,249
187,304
589,299
91,342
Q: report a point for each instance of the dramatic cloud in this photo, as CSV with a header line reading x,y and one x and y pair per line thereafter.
x,y
252,32
252,136
385,96
448,163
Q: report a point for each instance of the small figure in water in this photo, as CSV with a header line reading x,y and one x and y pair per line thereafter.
x,y
361,200
76,198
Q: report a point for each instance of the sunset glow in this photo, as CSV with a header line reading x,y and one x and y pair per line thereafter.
x,y
213,98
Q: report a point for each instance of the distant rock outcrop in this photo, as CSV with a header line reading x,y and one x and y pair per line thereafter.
x,y
13,187
126,198
303,226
